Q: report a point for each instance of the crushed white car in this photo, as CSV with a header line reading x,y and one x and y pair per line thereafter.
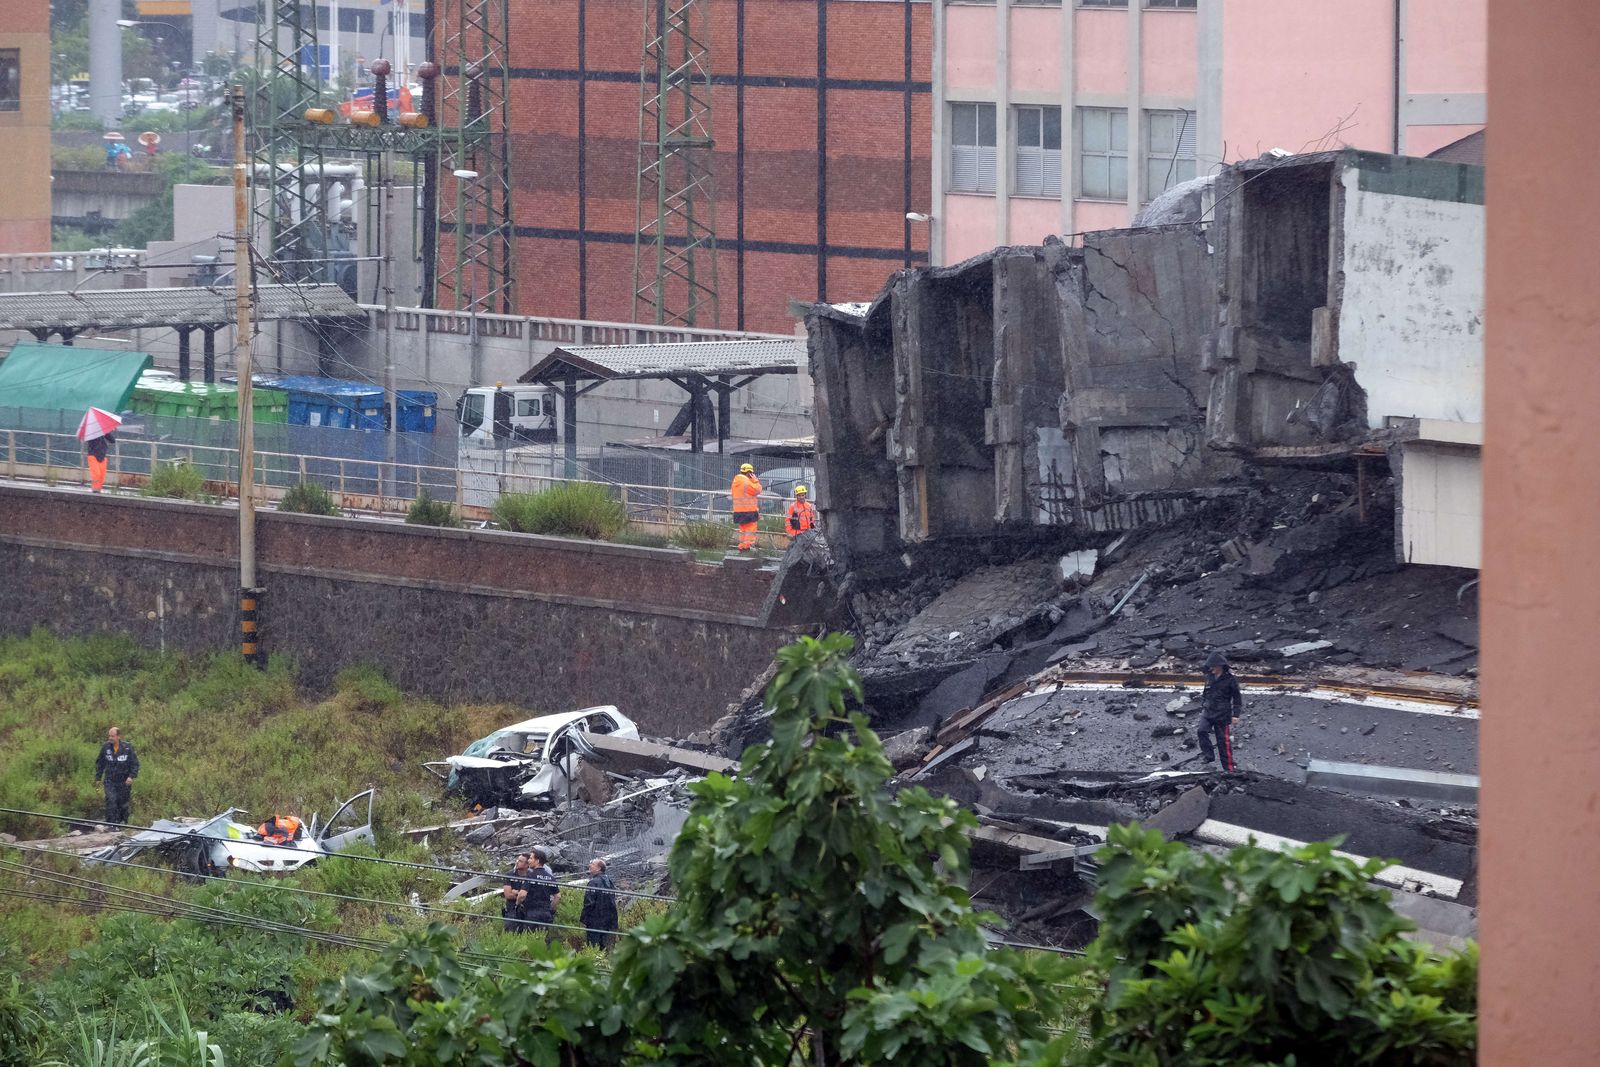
x,y
529,762
217,845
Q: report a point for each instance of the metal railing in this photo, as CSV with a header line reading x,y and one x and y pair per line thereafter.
x,y
358,485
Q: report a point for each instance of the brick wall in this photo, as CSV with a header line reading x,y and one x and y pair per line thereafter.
x,y
789,224
479,616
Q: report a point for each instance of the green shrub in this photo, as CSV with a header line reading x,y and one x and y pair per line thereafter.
x,y
309,498
571,509
426,511
1257,956
705,534
180,480
76,120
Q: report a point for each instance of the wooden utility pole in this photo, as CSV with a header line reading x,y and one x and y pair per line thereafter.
x,y
249,634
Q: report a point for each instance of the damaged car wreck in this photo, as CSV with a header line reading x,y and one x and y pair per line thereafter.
x,y
213,847
530,762
1054,479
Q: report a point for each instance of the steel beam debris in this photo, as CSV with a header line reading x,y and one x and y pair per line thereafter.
x,y
1394,781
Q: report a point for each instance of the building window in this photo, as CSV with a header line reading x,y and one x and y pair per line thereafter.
x,y
10,79
1037,170
1169,3
354,21
1168,150
419,25
1103,153
972,148
1102,3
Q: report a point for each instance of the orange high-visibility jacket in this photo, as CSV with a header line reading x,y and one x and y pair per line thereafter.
x,y
802,517
746,488
279,829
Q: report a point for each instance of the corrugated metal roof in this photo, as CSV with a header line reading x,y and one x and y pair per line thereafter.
x,y
64,378
113,309
779,356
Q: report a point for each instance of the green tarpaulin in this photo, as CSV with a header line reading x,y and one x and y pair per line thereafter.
x,y
68,378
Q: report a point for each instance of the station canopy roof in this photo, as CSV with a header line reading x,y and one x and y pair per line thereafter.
x,y
68,378
126,309
689,359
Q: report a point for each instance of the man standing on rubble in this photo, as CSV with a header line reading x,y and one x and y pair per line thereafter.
x,y
599,914
514,896
117,766
1220,705
539,907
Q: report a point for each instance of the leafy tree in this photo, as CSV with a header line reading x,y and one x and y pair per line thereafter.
x,y
816,909
1261,957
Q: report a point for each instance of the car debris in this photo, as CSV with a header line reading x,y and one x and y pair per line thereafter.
x,y
530,762
212,847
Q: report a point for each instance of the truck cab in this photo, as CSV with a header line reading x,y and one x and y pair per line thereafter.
x,y
501,416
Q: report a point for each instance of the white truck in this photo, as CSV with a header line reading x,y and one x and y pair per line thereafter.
x,y
505,433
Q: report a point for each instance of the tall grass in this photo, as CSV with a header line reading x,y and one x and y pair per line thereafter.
x,y
211,733
426,511
704,534
308,498
571,509
179,479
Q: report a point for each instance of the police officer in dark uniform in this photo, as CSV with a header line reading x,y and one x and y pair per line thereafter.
x,y
514,896
542,892
117,766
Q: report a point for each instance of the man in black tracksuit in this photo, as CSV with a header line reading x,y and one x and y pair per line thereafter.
x,y
599,915
1220,705
117,766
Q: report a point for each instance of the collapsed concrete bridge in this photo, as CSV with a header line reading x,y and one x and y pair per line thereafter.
x,y
1330,316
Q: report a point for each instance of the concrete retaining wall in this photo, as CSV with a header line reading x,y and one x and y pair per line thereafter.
x,y
481,616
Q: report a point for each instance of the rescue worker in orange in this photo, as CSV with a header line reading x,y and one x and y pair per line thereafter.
x,y
98,449
802,515
279,830
746,506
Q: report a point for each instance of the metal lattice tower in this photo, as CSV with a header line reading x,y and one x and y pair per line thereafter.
x,y
292,217
464,224
475,213
675,247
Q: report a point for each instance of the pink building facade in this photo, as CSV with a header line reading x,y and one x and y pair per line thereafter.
x,y
1066,117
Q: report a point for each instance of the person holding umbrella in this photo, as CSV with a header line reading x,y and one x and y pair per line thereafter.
x,y
97,431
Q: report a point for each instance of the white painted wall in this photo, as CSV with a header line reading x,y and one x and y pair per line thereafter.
x,y
1441,504
1412,315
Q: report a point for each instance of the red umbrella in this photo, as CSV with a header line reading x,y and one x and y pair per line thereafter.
x,y
97,423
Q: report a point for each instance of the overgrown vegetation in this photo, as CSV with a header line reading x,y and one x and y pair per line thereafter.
x,y
571,509
426,511
309,498
179,479
707,535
